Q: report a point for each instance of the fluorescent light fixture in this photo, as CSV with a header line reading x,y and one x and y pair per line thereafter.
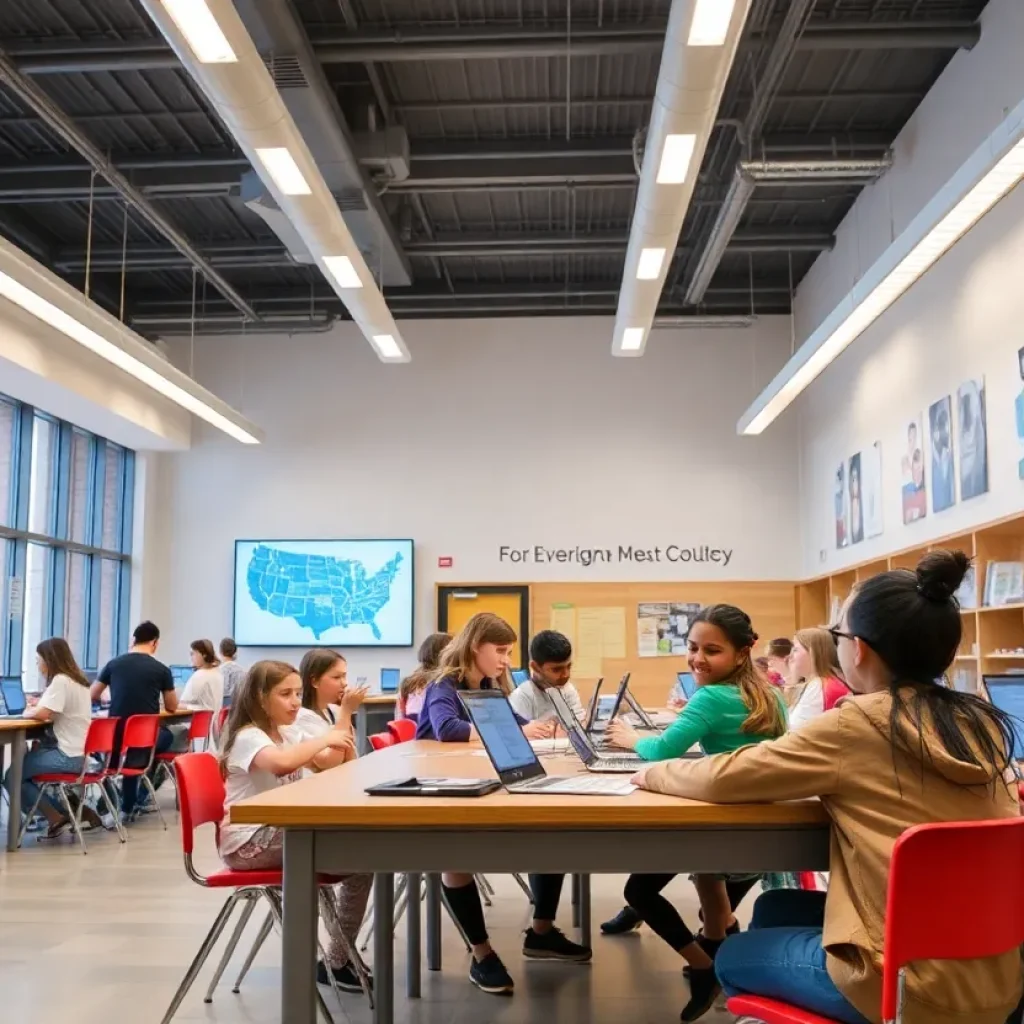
x,y
55,317
632,339
343,271
868,301
387,347
710,23
281,166
197,24
648,267
676,155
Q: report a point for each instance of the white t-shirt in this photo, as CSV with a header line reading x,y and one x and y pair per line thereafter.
x,y
529,701
71,706
244,781
809,705
310,724
204,690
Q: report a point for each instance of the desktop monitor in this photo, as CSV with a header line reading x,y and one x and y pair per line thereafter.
x,y
13,695
389,680
1007,694
687,684
519,676
181,674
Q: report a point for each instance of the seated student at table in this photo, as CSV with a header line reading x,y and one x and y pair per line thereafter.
x,y
413,689
261,749
232,673
328,702
815,665
902,751
204,690
66,708
550,666
478,659
734,706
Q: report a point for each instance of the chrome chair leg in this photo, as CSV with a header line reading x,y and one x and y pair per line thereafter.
x,y
265,929
75,824
524,886
152,795
329,909
113,812
229,950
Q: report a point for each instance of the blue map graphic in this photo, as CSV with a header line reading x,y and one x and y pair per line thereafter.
x,y
317,591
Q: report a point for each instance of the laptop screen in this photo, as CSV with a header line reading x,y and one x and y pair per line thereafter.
x,y
389,679
14,696
519,676
577,737
687,684
181,674
1007,694
623,686
495,721
592,706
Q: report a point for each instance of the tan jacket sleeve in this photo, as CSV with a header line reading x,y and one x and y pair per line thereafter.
x,y
795,766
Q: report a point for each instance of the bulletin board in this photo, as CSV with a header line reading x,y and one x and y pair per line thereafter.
x,y
601,618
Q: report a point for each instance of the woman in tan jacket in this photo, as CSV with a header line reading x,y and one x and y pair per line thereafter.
x,y
902,751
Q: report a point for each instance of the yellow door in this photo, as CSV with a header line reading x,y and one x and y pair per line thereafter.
x,y
457,605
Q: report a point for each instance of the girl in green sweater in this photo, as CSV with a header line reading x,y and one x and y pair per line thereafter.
x,y
734,706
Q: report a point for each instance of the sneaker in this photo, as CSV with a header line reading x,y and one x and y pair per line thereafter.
x,y
58,829
345,977
489,975
711,946
625,921
704,990
554,945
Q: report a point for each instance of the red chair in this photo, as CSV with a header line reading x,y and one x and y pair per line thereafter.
x,y
382,740
201,790
403,729
99,743
198,732
221,721
140,733
987,902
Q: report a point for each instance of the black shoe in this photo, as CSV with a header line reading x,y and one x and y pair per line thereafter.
x,y
553,945
489,975
711,946
704,989
345,977
626,920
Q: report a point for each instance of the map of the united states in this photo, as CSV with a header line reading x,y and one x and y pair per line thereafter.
x,y
317,591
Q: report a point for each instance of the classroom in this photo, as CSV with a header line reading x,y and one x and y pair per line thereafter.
x,y
512,510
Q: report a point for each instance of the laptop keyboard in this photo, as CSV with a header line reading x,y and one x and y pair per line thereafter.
x,y
578,783
619,763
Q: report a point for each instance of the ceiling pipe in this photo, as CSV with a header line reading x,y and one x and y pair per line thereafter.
x,y
284,323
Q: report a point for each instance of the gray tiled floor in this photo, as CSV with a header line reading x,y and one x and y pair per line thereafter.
x,y
108,936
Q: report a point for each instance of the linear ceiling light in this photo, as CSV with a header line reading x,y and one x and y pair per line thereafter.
x,y
710,25
632,340
924,241
388,349
281,166
676,155
343,271
649,266
201,31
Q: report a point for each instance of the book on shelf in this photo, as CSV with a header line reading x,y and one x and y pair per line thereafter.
x,y
967,595
1004,584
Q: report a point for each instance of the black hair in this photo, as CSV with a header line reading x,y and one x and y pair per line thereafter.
x,y
911,620
145,633
550,648
732,621
228,648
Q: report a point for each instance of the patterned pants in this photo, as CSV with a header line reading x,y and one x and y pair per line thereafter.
x,y
264,852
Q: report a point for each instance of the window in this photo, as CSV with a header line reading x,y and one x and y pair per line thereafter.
x,y
76,603
110,579
8,418
80,491
42,475
34,616
5,585
113,492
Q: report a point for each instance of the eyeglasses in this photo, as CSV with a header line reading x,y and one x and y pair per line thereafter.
x,y
837,634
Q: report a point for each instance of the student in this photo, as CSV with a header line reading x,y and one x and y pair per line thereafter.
x,y
232,673
550,667
814,663
904,750
413,689
734,706
328,702
137,681
478,659
66,708
262,749
204,690
777,653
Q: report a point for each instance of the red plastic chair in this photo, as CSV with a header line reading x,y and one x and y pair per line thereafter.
x,y
140,733
987,902
382,740
201,789
198,732
403,730
99,743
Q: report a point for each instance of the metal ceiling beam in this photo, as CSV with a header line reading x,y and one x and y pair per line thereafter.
x,y
50,184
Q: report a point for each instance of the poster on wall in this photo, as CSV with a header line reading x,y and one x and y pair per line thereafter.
x,y
972,433
856,500
1019,408
871,486
940,428
662,628
914,489
840,509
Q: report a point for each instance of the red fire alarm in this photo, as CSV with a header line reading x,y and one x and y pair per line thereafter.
x,y
445,562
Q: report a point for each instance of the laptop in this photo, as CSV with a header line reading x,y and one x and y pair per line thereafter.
x,y
181,674
13,698
686,684
389,680
602,717
519,676
518,767
588,722
645,719
1007,694
625,762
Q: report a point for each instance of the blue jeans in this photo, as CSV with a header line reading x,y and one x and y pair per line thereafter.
x,y
781,956
42,761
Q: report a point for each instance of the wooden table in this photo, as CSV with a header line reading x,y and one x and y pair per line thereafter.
x,y
332,826
372,717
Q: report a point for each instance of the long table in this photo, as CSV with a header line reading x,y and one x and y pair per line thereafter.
x,y
332,826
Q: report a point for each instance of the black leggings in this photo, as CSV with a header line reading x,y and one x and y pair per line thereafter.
x,y
467,909
643,894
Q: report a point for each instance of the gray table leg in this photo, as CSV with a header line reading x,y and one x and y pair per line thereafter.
x,y
584,909
298,965
433,922
413,953
362,743
576,901
18,745
383,949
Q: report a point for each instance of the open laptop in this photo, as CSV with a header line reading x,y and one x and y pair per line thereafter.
x,y
588,722
645,719
614,704
686,684
389,680
12,697
519,676
624,762
1007,694
513,758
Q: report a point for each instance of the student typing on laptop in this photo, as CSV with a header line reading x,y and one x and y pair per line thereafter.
x,y
478,659
550,667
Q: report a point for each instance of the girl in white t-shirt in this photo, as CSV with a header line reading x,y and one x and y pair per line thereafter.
x,y
328,702
67,707
262,748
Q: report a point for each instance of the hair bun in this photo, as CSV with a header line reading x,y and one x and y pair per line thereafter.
x,y
940,573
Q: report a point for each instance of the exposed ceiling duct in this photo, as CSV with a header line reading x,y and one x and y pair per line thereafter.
x,y
215,47
700,44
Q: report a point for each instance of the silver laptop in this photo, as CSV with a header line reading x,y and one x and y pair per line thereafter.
x,y
600,720
513,758
623,763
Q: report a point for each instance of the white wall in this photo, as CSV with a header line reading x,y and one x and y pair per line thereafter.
x,y
503,432
962,320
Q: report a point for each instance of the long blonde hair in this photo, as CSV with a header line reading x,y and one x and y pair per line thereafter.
x,y
247,707
457,658
429,655
821,647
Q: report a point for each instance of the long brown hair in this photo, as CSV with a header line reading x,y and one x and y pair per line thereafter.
x,y
766,717
316,663
457,657
204,648
821,647
247,707
429,656
59,660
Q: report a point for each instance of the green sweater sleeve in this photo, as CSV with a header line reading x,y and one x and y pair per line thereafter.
x,y
689,727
